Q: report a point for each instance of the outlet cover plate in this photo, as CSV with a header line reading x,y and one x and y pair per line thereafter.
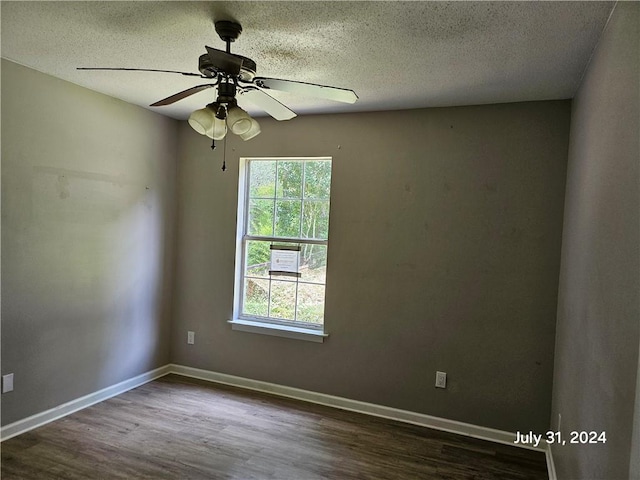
x,y
7,383
441,380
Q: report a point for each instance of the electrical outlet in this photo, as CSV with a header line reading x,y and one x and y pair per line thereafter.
x,y
7,383
441,380
191,338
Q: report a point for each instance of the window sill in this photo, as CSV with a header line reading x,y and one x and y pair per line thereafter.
x,y
278,330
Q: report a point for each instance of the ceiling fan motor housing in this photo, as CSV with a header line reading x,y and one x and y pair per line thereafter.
x,y
208,69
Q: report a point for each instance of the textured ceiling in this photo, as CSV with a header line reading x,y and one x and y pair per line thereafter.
x,y
395,55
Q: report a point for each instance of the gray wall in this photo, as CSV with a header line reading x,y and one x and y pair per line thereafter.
x,y
595,379
88,201
444,254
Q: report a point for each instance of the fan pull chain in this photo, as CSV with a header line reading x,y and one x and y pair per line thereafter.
x,y
224,155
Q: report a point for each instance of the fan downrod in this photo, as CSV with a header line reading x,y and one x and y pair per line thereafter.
x,y
227,30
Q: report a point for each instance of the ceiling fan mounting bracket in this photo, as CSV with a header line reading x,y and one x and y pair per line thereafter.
x,y
228,31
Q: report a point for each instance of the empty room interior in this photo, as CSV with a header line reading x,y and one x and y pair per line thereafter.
x,y
320,240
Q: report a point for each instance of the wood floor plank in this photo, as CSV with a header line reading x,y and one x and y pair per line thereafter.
x,y
178,428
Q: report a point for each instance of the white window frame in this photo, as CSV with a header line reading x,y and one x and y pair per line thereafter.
x,y
267,326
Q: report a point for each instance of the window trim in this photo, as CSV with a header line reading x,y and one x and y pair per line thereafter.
x,y
276,330
284,328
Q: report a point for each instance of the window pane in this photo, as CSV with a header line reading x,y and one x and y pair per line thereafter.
x,y
260,217
313,263
258,259
310,303
288,201
289,179
287,218
283,300
315,219
256,297
262,179
317,183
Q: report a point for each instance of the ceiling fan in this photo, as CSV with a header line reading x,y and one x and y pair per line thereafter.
x,y
234,74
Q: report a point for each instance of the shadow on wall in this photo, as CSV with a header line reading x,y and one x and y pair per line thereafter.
x,y
87,264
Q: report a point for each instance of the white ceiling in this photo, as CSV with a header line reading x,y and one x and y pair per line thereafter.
x,y
395,55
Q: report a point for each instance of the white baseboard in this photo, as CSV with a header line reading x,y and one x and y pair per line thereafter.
x,y
421,419
42,418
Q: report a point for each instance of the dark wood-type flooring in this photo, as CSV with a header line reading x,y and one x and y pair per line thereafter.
x,y
177,428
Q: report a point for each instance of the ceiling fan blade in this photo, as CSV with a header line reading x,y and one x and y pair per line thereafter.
x,y
310,89
143,70
267,103
183,94
224,61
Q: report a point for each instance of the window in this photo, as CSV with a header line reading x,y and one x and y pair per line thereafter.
x,y
283,230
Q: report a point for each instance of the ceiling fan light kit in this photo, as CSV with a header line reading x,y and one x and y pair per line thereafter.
x,y
252,132
202,120
232,74
213,120
218,130
238,120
